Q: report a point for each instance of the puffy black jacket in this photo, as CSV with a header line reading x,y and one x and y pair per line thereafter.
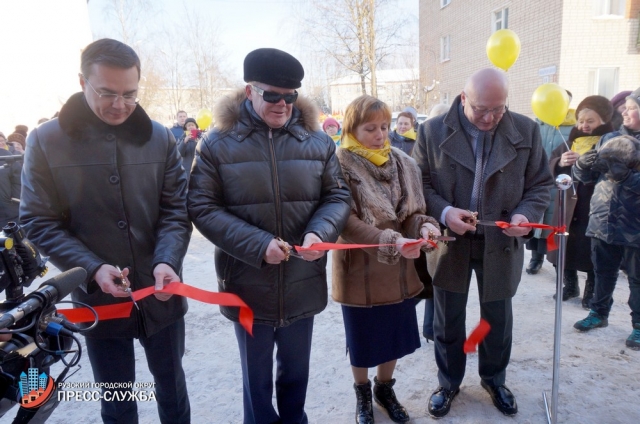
x,y
95,194
10,169
613,215
250,184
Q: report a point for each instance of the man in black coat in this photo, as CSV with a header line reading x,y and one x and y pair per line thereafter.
x,y
264,179
102,188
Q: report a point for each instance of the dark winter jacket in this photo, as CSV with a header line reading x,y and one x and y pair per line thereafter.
x,y
613,216
577,199
517,181
10,169
96,194
403,143
250,184
187,150
177,130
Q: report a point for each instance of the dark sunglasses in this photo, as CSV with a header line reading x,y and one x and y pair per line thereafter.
x,y
273,97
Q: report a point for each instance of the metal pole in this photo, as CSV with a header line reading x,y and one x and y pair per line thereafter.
x,y
563,182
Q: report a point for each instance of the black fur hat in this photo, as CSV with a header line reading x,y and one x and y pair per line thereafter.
x,y
186,121
273,67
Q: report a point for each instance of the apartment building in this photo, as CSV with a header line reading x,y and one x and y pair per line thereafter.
x,y
586,46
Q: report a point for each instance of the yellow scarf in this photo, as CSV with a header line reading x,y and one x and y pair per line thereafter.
x,y
376,156
583,144
411,134
336,139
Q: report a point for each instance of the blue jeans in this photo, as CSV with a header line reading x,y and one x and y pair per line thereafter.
x,y
292,372
112,361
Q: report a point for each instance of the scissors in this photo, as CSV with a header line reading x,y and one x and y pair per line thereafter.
x,y
126,288
288,251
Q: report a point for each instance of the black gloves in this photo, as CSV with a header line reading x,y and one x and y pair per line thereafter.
x,y
585,161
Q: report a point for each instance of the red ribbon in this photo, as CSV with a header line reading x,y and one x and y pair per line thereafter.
x,y
340,246
123,310
476,336
551,241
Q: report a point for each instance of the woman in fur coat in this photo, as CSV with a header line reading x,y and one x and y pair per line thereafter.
x,y
376,285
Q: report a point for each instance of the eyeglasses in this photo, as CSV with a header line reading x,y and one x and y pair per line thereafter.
x,y
273,97
128,99
482,112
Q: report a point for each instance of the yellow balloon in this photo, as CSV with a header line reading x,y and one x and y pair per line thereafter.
x,y
204,118
503,48
550,103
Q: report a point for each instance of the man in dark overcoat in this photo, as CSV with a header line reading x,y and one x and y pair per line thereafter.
x,y
480,161
103,188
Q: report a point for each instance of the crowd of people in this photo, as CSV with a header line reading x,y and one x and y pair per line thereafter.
x,y
268,176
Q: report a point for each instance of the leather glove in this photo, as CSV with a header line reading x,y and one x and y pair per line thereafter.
x,y
585,161
618,171
600,165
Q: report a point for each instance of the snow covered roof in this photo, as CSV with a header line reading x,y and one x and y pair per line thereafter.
x,y
383,76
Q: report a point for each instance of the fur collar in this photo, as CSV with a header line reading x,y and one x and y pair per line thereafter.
x,y
400,173
79,122
231,110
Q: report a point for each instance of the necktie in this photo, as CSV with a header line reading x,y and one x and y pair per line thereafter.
x,y
477,180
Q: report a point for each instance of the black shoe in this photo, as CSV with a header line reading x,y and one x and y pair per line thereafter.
x,y
534,266
384,396
571,288
502,398
440,402
589,286
364,408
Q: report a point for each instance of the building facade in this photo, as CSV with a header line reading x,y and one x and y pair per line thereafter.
x,y
586,46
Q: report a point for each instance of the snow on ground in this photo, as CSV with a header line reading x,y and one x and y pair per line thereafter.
x,y
599,376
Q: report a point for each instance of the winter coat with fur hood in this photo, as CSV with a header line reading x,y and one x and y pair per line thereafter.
x,y
251,183
387,204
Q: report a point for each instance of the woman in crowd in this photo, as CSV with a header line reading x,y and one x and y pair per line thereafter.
x,y
376,285
551,138
593,121
404,136
187,143
332,128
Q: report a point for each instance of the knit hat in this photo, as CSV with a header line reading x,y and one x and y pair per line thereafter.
x,y
412,111
22,129
17,137
619,99
273,67
635,96
330,121
599,104
184,127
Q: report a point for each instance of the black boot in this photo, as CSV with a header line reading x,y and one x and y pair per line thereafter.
x,y
535,263
364,408
589,286
571,288
384,396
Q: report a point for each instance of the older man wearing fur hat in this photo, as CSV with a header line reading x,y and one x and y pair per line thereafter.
x,y
614,227
267,178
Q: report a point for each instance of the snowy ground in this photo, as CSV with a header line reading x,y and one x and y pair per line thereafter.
x,y
599,376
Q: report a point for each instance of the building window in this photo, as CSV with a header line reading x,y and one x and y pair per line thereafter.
x,y
445,99
445,47
500,19
444,3
609,7
603,81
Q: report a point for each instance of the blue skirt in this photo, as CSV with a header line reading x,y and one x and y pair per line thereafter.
x,y
380,334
